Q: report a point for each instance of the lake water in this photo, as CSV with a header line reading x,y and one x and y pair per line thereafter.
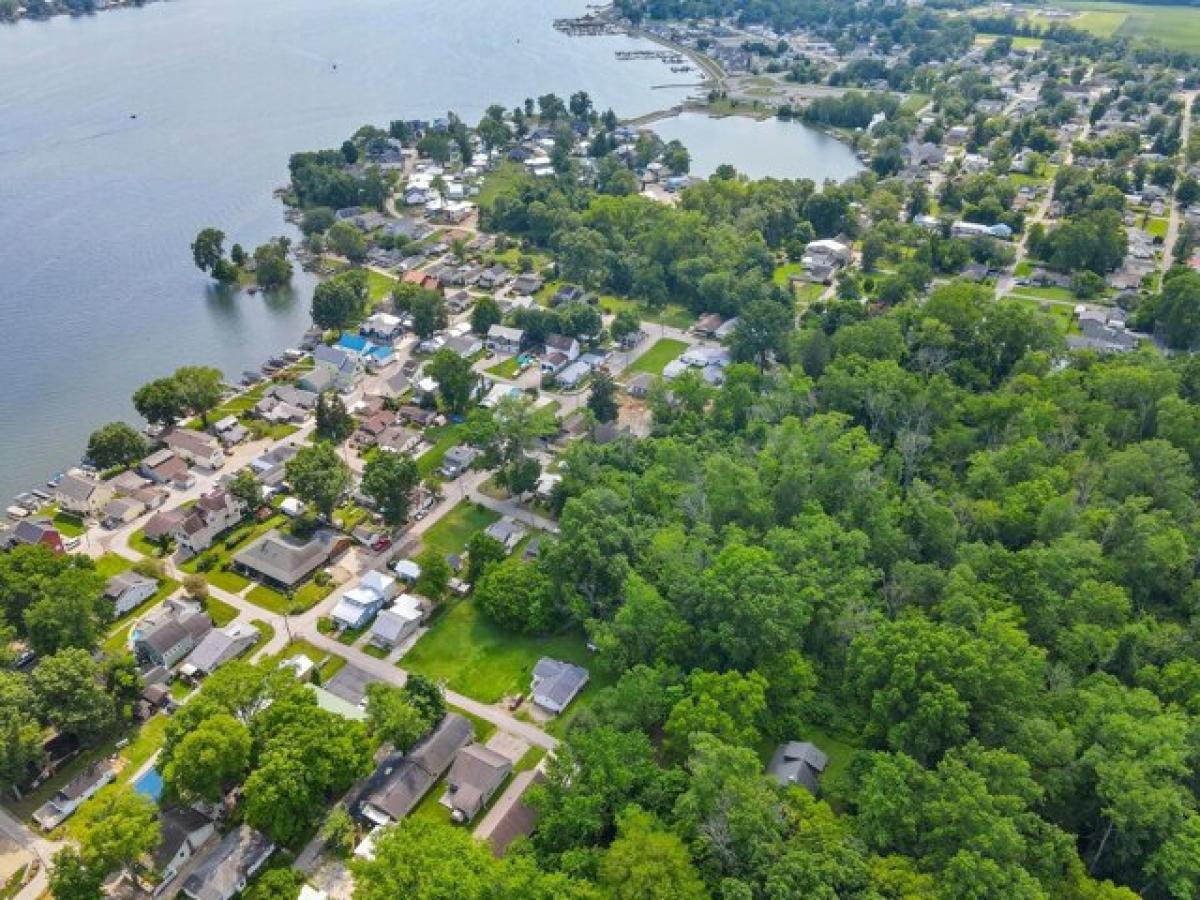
x,y
760,149
97,208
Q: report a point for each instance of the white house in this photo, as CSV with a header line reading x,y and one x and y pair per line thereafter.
x,y
504,339
81,494
362,603
556,684
394,626
214,513
195,447
129,590
341,367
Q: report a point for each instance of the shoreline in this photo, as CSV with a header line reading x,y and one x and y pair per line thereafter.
x,y
59,13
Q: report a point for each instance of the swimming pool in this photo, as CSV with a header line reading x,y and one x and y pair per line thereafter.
x,y
150,784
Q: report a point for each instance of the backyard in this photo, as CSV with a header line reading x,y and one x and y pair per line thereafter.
x,y
476,657
656,358
451,533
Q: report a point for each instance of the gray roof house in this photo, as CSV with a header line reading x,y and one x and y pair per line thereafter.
x,y
506,532
399,783
476,775
171,640
218,647
798,762
60,807
555,684
228,868
457,460
285,561
184,831
128,590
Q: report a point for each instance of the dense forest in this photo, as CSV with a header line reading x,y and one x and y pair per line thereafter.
x,y
932,533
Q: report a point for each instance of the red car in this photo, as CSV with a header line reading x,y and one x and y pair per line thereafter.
x,y
381,544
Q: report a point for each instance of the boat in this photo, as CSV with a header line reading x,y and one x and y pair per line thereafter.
x,y
17,512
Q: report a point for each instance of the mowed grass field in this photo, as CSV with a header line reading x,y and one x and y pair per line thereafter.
x,y
1177,27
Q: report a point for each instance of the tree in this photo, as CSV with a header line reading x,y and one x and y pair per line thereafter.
x,y
393,718
208,249
116,828
346,240
728,706
625,323
485,314
245,487
124,683
341,301
425,860
272,268
319,477
338,831
20,731
455,379
482,551
334,422
389,479
647,862
518,596
676,158
195,586
68,694
282,883
426,696
69,613
72,879
116,444
435,574
761,332
428,311
160,402
201,388
602,400
210,760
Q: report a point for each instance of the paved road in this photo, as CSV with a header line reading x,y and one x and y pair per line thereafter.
x,y
1176,211
41,848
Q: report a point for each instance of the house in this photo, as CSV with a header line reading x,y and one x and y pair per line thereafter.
x,y
227,868
798,762
164,467
495,277
639,385
350,684
824,252
396,439
82,495
506,532
465,345
37,531
399,782
121,511
392,627
283,560
218,647
195,447
555,684
161,525
184,831
457,460
359,605
476,775
215,512
128,591
573,374
167,639
341,369
707,324
567,346
383,326
229,431
516,821
63,804
504,339
526,285
270,468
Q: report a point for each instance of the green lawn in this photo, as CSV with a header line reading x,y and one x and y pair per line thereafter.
x,y
139,542
1177,27
373,650
143,745
451,533
506,176
327,663
1157,227
269,599
1049,292
809,292
784,273
656,358
219,611
266,631
111,564
1023,269
477,658
379,285
227,580
309,595
443,439
672,315
1063,314
68,525
508,368
914,103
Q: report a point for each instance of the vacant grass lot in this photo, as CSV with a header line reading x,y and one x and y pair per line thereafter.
x,y
672,315
1177,27
443,439
453,530
1063,314
477,658
379,285
656,358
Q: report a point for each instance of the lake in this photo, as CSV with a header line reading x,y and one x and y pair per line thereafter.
x,y
98,208
760,149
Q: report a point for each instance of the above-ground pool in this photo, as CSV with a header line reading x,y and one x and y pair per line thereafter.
x,y
150,784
